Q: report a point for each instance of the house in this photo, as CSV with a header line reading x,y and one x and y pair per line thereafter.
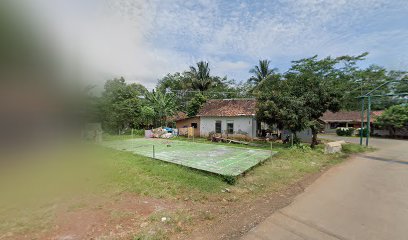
x,y
236,117
183,122
228,116
346,119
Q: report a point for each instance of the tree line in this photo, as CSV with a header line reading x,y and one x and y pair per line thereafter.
x,y
294,99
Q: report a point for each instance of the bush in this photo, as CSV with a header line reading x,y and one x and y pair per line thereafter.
x,y
138,132
364,131
344,131
229,179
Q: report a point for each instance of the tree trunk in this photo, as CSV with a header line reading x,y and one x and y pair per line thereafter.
x,y
314,137
392,132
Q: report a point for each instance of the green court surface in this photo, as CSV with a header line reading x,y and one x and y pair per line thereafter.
x,y
220,159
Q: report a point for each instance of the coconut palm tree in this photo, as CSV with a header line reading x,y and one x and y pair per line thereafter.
x,y
261,72
200,76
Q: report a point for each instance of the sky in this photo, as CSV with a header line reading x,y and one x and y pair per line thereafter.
x,y
144,40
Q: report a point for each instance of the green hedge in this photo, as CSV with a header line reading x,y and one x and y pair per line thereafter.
x,y
344,131
364,131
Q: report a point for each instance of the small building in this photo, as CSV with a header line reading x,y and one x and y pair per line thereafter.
x,y
236,118
183,122
228,116
332,121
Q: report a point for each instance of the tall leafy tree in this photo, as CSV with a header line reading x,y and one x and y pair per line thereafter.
x,y
358,81
176,81
276,104
121,105
401,78
195,104
138,88
393,118
370,78
310,81
304,93
148,115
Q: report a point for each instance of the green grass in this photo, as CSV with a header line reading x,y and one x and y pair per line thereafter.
x,y
219,159
107,172
150,177
155,178
109,137
355,148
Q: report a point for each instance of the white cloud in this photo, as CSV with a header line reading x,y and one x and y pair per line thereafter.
x,y
144,40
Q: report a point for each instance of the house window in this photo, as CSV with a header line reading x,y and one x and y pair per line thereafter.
x,y
217,126
335,125
230,127
194,125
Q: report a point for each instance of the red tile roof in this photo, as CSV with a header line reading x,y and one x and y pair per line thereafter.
x,y
228,108
348,116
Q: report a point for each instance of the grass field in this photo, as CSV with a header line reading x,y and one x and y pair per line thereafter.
x,y
119,192
219,159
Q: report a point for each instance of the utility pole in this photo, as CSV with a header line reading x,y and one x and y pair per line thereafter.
x,y
362,121
368,119
369,95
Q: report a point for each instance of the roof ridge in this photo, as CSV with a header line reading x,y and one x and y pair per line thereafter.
x,y
228,107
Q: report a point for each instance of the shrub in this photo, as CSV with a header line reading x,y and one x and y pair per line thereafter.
x,y
364,131
344,131
229,179
138,132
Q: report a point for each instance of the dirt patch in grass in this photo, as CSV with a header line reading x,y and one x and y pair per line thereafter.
x,y
233,218
227,215
116,217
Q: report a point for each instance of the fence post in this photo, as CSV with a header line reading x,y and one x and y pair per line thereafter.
x,y
153,152
271,150
291,139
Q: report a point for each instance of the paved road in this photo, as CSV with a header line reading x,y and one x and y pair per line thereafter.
x,y
364,198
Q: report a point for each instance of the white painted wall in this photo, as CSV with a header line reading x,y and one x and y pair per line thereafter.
x,y
241,123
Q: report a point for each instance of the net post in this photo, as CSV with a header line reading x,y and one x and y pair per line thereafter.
x,y
291,139
153,152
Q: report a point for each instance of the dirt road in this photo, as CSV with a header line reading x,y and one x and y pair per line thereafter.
x,y
364,198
